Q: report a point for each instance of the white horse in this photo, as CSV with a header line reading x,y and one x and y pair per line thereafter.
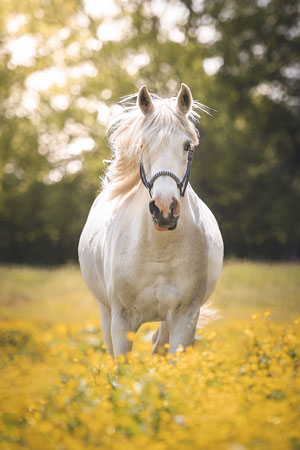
x,y
151,266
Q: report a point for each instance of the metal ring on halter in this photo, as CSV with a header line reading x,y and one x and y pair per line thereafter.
x,y
181,184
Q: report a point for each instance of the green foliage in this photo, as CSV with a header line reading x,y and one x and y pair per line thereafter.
x,y
52,138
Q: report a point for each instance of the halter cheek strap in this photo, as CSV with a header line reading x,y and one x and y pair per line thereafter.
x,y
181,184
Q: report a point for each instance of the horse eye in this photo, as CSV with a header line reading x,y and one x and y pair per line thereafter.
x,y
187,146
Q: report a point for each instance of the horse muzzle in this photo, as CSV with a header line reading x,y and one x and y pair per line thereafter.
x,y
165,214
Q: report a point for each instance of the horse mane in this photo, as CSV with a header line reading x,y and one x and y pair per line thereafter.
x,y
133,133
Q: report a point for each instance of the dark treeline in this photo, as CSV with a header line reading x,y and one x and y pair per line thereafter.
x,y
63,65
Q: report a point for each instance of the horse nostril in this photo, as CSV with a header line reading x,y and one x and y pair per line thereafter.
x,y
175,207
154,210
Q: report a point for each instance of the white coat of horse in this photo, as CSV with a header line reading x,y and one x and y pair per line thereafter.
x,y
158,265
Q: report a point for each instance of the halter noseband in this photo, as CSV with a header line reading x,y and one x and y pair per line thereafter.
x,y
181,184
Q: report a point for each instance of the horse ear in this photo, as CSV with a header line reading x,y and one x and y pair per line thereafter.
x,y
184,99
144,100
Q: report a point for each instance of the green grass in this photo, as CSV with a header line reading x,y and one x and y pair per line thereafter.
x,y
60,294
248,287
53,295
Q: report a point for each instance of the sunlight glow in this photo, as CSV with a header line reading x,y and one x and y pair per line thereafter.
x,y
30,100
44,79
292,71
98,9
74,166
15,22
171,16
273,90
81,144
103,113
87,68
134,62
22,50
114,30
54,176
212,65
207,34
60,102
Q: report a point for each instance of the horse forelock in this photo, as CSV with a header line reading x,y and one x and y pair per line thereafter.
x,y
133,133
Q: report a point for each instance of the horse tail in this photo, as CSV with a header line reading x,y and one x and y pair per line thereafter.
x,y
208,313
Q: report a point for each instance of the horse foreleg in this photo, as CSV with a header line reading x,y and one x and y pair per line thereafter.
x,y
182,326
122,324
106,328
160,338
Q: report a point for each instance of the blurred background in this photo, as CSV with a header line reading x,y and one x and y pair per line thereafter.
x,y
65,65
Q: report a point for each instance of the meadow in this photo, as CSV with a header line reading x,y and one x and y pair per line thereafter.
x,y
237,388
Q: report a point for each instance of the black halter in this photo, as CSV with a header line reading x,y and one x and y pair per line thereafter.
x,y
182,184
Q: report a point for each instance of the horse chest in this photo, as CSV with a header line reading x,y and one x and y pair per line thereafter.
x,y
151,281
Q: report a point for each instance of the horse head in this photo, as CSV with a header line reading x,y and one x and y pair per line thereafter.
x,y
167,145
